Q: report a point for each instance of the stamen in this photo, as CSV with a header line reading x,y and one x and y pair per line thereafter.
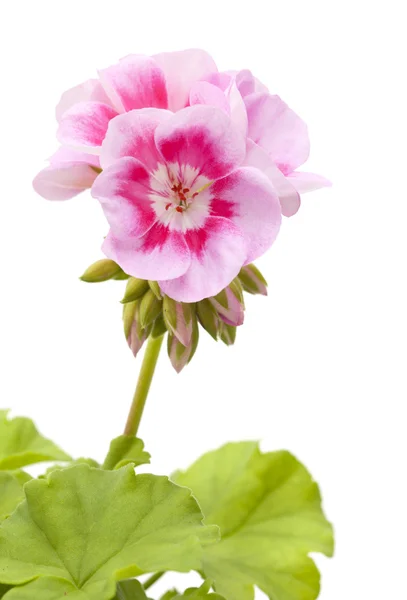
x,y
179,209
167,206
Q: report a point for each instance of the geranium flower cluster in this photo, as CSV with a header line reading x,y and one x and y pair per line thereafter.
x,y
193,167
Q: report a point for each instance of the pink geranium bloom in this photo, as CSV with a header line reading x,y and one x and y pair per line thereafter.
x,y
277,139
84,112
182,209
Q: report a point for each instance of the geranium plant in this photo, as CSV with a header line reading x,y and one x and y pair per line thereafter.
x,y
193,169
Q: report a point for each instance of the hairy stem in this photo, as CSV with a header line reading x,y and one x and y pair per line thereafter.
x,y
143,385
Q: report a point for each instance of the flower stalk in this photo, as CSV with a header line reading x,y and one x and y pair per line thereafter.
x,y
143,385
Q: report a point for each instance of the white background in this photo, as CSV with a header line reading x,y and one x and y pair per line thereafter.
x,y
319,366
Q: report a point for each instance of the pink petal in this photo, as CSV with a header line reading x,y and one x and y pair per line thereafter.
x,y
277,129
308,182
229,100
218,252
202,137
132,134
123,191
221,80
181,70
64,181
65,154
238,112
248,199
135,82
290,200
206,93
157,254
248,84
89,90
85,124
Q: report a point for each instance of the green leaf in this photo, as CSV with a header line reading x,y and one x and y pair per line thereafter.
x,y
130,589
72,463
170,595
11,491
124,450
3,589
21,444
269,512
83,529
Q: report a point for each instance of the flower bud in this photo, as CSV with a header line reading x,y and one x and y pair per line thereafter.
x,y
135,289
252,280
208,317
178,319
135,334
229,304
159,327
179,354
102,270
150,308
227,334
155,288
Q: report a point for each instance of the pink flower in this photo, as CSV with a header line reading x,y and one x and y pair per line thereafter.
x,y
84,112
182,209
278,141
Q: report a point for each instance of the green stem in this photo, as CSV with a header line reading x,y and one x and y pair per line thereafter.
x,y
151,580
143,385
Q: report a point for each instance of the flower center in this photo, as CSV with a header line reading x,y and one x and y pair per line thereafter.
x,y
181,197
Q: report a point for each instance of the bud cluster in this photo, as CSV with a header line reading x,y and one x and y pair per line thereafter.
x,y
148,312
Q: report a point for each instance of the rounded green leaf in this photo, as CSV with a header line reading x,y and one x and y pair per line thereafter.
x,y
269,512
11,491
86,528
21,444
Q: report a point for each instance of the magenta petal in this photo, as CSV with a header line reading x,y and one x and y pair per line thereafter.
x,y
85,124
289,197
307,182
248,199
202,137
181,70
135,82
218,252
123,191
277,129
157,254
89,90
64,181
132,134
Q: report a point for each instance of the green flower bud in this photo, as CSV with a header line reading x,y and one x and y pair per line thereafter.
x,y
179,354
252,280
134,333
135,289
227,334
229,304
159,327
208,317
178,319
150,308
102,270
122,276
155,288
